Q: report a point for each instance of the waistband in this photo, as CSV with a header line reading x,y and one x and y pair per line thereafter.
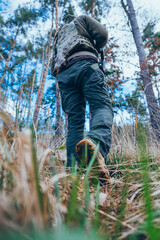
x,y
82,53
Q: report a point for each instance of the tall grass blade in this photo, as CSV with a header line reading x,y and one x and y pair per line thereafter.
x,y
36,173
89,167
73,206
97,219
1,177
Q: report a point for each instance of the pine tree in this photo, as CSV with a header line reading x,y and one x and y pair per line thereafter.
x,y
153,107
134,104
92,7
18,24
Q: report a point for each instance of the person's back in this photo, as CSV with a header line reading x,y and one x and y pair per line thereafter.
x,y
79,37
80,79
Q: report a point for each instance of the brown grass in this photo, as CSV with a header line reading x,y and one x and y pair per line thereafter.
x,y
38,198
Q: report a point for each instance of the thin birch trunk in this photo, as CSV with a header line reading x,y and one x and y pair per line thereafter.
x,y
157,88
18,106
93,8
58,103
5,94
58,112
42,83
154,110
29,108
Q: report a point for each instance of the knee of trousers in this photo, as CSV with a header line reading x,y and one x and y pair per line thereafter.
x,y
102,116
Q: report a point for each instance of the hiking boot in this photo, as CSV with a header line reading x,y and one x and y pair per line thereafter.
x,y
85,150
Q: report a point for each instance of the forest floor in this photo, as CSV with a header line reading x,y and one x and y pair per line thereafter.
x,y
40,199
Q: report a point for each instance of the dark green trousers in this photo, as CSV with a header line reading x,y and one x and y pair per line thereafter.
x,y
74,93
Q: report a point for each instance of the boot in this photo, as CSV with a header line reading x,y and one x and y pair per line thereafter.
x,y
85,150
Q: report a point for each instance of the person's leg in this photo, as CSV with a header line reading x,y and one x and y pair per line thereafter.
x,y
76,119
96,92
73,104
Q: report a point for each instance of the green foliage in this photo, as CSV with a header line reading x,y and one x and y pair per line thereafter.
x,y
47,3
73,210
150,36
23,15
101,8
156,41
28,84
69,10
1,21
19,60
86,6
29,49
152,43
47,8
148,31
49,99
134,104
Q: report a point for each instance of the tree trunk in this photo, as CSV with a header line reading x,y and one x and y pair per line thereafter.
x,y
154,110
5,94
29,108
93,8
58,98
156,85
42,82
9,58
58,113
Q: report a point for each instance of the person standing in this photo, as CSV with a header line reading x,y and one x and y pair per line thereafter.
x,y
80,79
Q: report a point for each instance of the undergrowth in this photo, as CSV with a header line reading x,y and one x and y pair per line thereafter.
x,y
41,199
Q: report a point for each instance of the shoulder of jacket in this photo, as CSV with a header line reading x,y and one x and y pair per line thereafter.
x,y
86,19
81,17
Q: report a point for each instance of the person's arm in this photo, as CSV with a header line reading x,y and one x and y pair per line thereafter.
x,y
97,31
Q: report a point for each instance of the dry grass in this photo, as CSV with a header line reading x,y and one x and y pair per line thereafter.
x,y
37,194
